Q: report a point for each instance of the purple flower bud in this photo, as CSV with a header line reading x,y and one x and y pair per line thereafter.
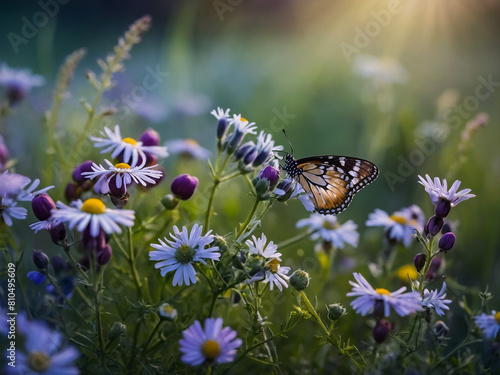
x,y
250,156
104,255
91,243
4,153
243,149
378,309
86,166
447,241
222,125
36,277
57,233
42,206
433,226
40,259
150,138
184,186
433,268
15,94
419,261
382,328
72,192
443,208
58,263
115,191
271,174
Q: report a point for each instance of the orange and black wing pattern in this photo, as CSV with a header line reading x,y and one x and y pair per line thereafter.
x,y
331,181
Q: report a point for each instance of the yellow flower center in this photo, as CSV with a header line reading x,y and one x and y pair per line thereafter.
x,y
273,265
383,292
93,206
329,225
399,219
129,140
38,361
244,119
497,317
191,142
407,270
210,349
122,166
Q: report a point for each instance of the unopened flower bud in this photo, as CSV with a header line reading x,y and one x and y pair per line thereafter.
x,y
250,156
40,259
441,329
243,149
222,125
42,206
221,243
104,255
116,331
419,261
150,138
336,311
382,328
57,233
117,192
447,241
299,280
167,312
378,309
443,208
72,192
433,268
84,167
169,202
262,157
433,226
238,260
261,186
184,186
271,174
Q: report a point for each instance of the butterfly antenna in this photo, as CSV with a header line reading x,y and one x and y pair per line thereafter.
x,y
290,143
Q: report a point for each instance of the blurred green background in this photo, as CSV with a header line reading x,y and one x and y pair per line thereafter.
x,y
264,59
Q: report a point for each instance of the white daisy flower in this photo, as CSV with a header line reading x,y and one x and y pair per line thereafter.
x,y
188,147
93,214
241,128
131,149
436,300
212,344
327,228
438,189
220,113
44,352
179,254
265,148
402,303
121,175
489,324
258,247
401,225
276,275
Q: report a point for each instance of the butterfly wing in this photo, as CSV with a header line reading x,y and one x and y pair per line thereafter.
x,y
331,181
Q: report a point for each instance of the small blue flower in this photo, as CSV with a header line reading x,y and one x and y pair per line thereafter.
x,y
436,300
36,277
438,189
489,324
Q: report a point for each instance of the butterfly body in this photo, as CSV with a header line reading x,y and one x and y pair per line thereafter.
x,y
331,181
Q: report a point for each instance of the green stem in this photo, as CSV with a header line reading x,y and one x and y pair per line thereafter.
x,y
63,296
75,265
131,259
248,219
208,213
295,239
313,312
148,341
430,256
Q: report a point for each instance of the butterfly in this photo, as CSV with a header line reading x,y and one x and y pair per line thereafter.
x,y
330,181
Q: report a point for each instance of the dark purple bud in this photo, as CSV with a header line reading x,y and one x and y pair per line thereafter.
x,y
150,159
382,328
235,140
433,268
72,192
15,94
58,263
433,226
419,261
243,149
262,157
120,202
271,174
443,208
250,156
446,228
40,259
441,329
378,309
86,166
104,255
57,233
184,186
222,124
42,206
117,192
150,138
93,243
447,241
